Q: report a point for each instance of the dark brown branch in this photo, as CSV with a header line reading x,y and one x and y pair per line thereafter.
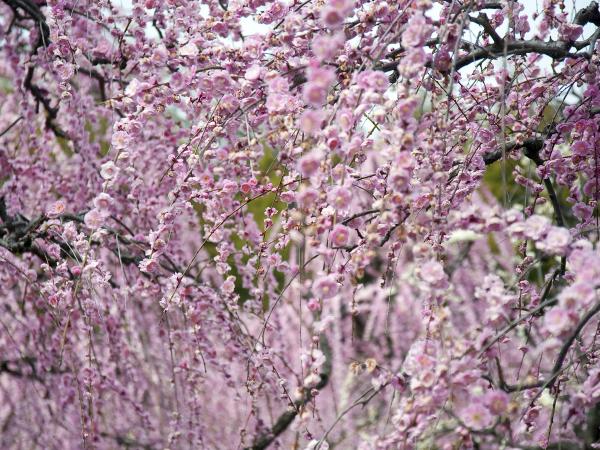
x,y
284,421
483,21
10,127
32,11
555,50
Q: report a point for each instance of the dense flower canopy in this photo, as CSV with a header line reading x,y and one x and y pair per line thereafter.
x,y
251,224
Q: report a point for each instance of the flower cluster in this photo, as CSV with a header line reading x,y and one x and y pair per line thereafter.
x,y
246,224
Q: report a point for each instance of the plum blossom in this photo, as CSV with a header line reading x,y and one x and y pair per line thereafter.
x,y
253,73
149,265
311,121
536,227
102,202
189,49
326,287
476,416
340,235
94,218
432,273
556,242
416,32
109,170
219,217
56,209
558,321
335,11
309,164
497,402
571,32
340,197
318,83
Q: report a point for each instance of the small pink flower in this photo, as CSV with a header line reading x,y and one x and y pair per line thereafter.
x,y
326,46
417,31
536,227
287,196
582,211
331,17
314,94
245,187
497,402
373,80
433,273
94,219
149,265
230,187
278,102
311,121
189,49
345,119
581,148
314,304
557,321
412,62
102,202
576,296
477,417
339,235
326,287
309,164
570,31
253,73
120,139
229,285
108,170
340,197
56,209
557,241
307,198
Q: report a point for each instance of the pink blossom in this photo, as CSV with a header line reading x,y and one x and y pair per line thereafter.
x,y
571,32
309,164
253,72
340,198
536,227
576,296
583,212
339,235
432,272
102,202
120,139
476,416
217,214
307,197
497,402
109,170
56,209
326,46
335,11
557,321
412,62
314,304
557,241
94,219
229,285
189,49
371,79
311,121
417,31
326,287
314,94
149,265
